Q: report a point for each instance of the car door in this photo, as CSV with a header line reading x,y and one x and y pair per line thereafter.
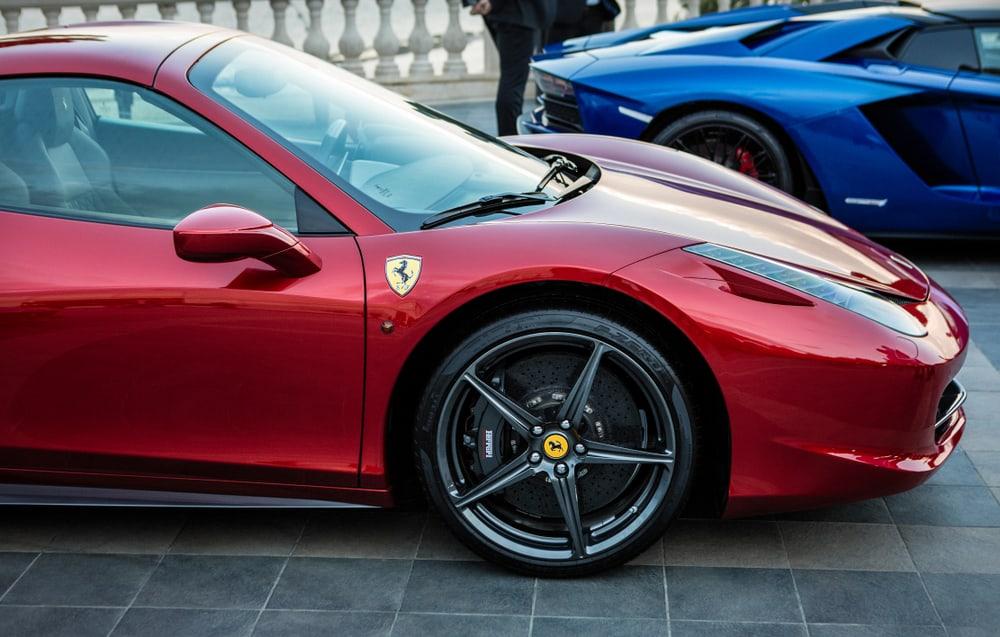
x,y
977,92
123,365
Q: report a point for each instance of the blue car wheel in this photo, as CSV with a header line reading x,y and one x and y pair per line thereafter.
x,y
733,140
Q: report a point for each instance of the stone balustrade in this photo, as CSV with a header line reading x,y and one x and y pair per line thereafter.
x,y
431,49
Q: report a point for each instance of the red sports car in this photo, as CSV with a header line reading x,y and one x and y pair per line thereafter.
x,y
232,274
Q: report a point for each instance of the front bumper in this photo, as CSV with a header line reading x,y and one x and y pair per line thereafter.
x,y
823,406
530,124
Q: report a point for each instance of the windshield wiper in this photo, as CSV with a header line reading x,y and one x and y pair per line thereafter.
x,y
502,201
486,205
558,164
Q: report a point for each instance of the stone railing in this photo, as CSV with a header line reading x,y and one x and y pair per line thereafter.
x,y
431,49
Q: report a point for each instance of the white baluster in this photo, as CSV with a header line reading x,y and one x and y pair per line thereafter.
x,y
694,8
386,43
725,5
316,43
89,12
242,9
454,41
168,10
421,42
11,19
661,11
280,33
351,45
630,22
205,10
52,16
127,10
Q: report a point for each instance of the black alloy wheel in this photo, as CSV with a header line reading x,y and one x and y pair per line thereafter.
x,y
556,442
733,140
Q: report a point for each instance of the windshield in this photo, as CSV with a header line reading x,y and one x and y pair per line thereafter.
x,y
401,160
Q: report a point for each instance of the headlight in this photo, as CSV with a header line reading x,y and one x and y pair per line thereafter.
x,y
551,85
863,302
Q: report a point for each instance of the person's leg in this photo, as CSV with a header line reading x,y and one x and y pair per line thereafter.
x,y
516,45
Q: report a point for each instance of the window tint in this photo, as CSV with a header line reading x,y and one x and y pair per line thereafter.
x,y
946,49
988,45
111,152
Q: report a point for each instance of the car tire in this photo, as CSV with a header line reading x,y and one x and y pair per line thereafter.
x,y
505,490
716,135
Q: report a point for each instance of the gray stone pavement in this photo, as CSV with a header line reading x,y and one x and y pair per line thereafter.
x,y
923,563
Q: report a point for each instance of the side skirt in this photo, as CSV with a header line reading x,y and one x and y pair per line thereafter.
x,y
42,495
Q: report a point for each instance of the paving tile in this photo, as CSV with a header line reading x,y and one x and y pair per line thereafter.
x,y
979,305
863,597
11,567
979,378
859,630
63,579
987,463
732,594
945,506
312,623
652,556
439,543
598,627
362,533
211,581
237,532
735,629
27,528
989,337
971,631
466,587
944,549
996,493
981,437
319,583
420,624
983,407
630,591
964,599
866,511
746,543
32,621
957,471
126,530
975,357
168,622
838,545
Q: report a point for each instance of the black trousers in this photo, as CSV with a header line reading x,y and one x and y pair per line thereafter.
x,y
516,44
593,20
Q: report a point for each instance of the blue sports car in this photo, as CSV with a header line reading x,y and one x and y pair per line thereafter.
x,y
885,115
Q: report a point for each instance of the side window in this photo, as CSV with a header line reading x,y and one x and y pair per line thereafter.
x,y
947,49
988,45
108,151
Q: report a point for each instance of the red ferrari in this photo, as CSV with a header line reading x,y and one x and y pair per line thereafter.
x,y
232,274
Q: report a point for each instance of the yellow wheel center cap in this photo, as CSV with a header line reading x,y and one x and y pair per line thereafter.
x,y
556,446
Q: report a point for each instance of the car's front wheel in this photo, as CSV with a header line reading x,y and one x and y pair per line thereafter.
x,y
556,442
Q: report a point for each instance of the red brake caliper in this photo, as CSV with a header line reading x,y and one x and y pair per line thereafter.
x,y
746,162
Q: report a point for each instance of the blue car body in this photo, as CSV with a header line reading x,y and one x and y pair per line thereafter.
x,y
887,146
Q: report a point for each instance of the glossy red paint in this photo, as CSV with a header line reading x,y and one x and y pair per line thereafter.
x,y
125,365
222,233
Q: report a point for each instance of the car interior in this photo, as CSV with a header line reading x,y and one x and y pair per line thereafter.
x,y
110,152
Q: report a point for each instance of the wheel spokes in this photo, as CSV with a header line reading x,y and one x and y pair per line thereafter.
x,y
603,453
576,400
511,473
569,504
518,417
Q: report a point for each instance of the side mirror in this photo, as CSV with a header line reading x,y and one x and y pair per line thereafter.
x,y
223,232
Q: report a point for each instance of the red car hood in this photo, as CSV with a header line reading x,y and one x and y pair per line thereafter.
x,y
655,188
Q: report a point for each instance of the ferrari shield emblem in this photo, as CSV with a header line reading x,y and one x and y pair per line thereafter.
x,y
402,273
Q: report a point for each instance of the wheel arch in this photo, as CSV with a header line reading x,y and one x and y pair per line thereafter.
x,y
807,187
711,480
